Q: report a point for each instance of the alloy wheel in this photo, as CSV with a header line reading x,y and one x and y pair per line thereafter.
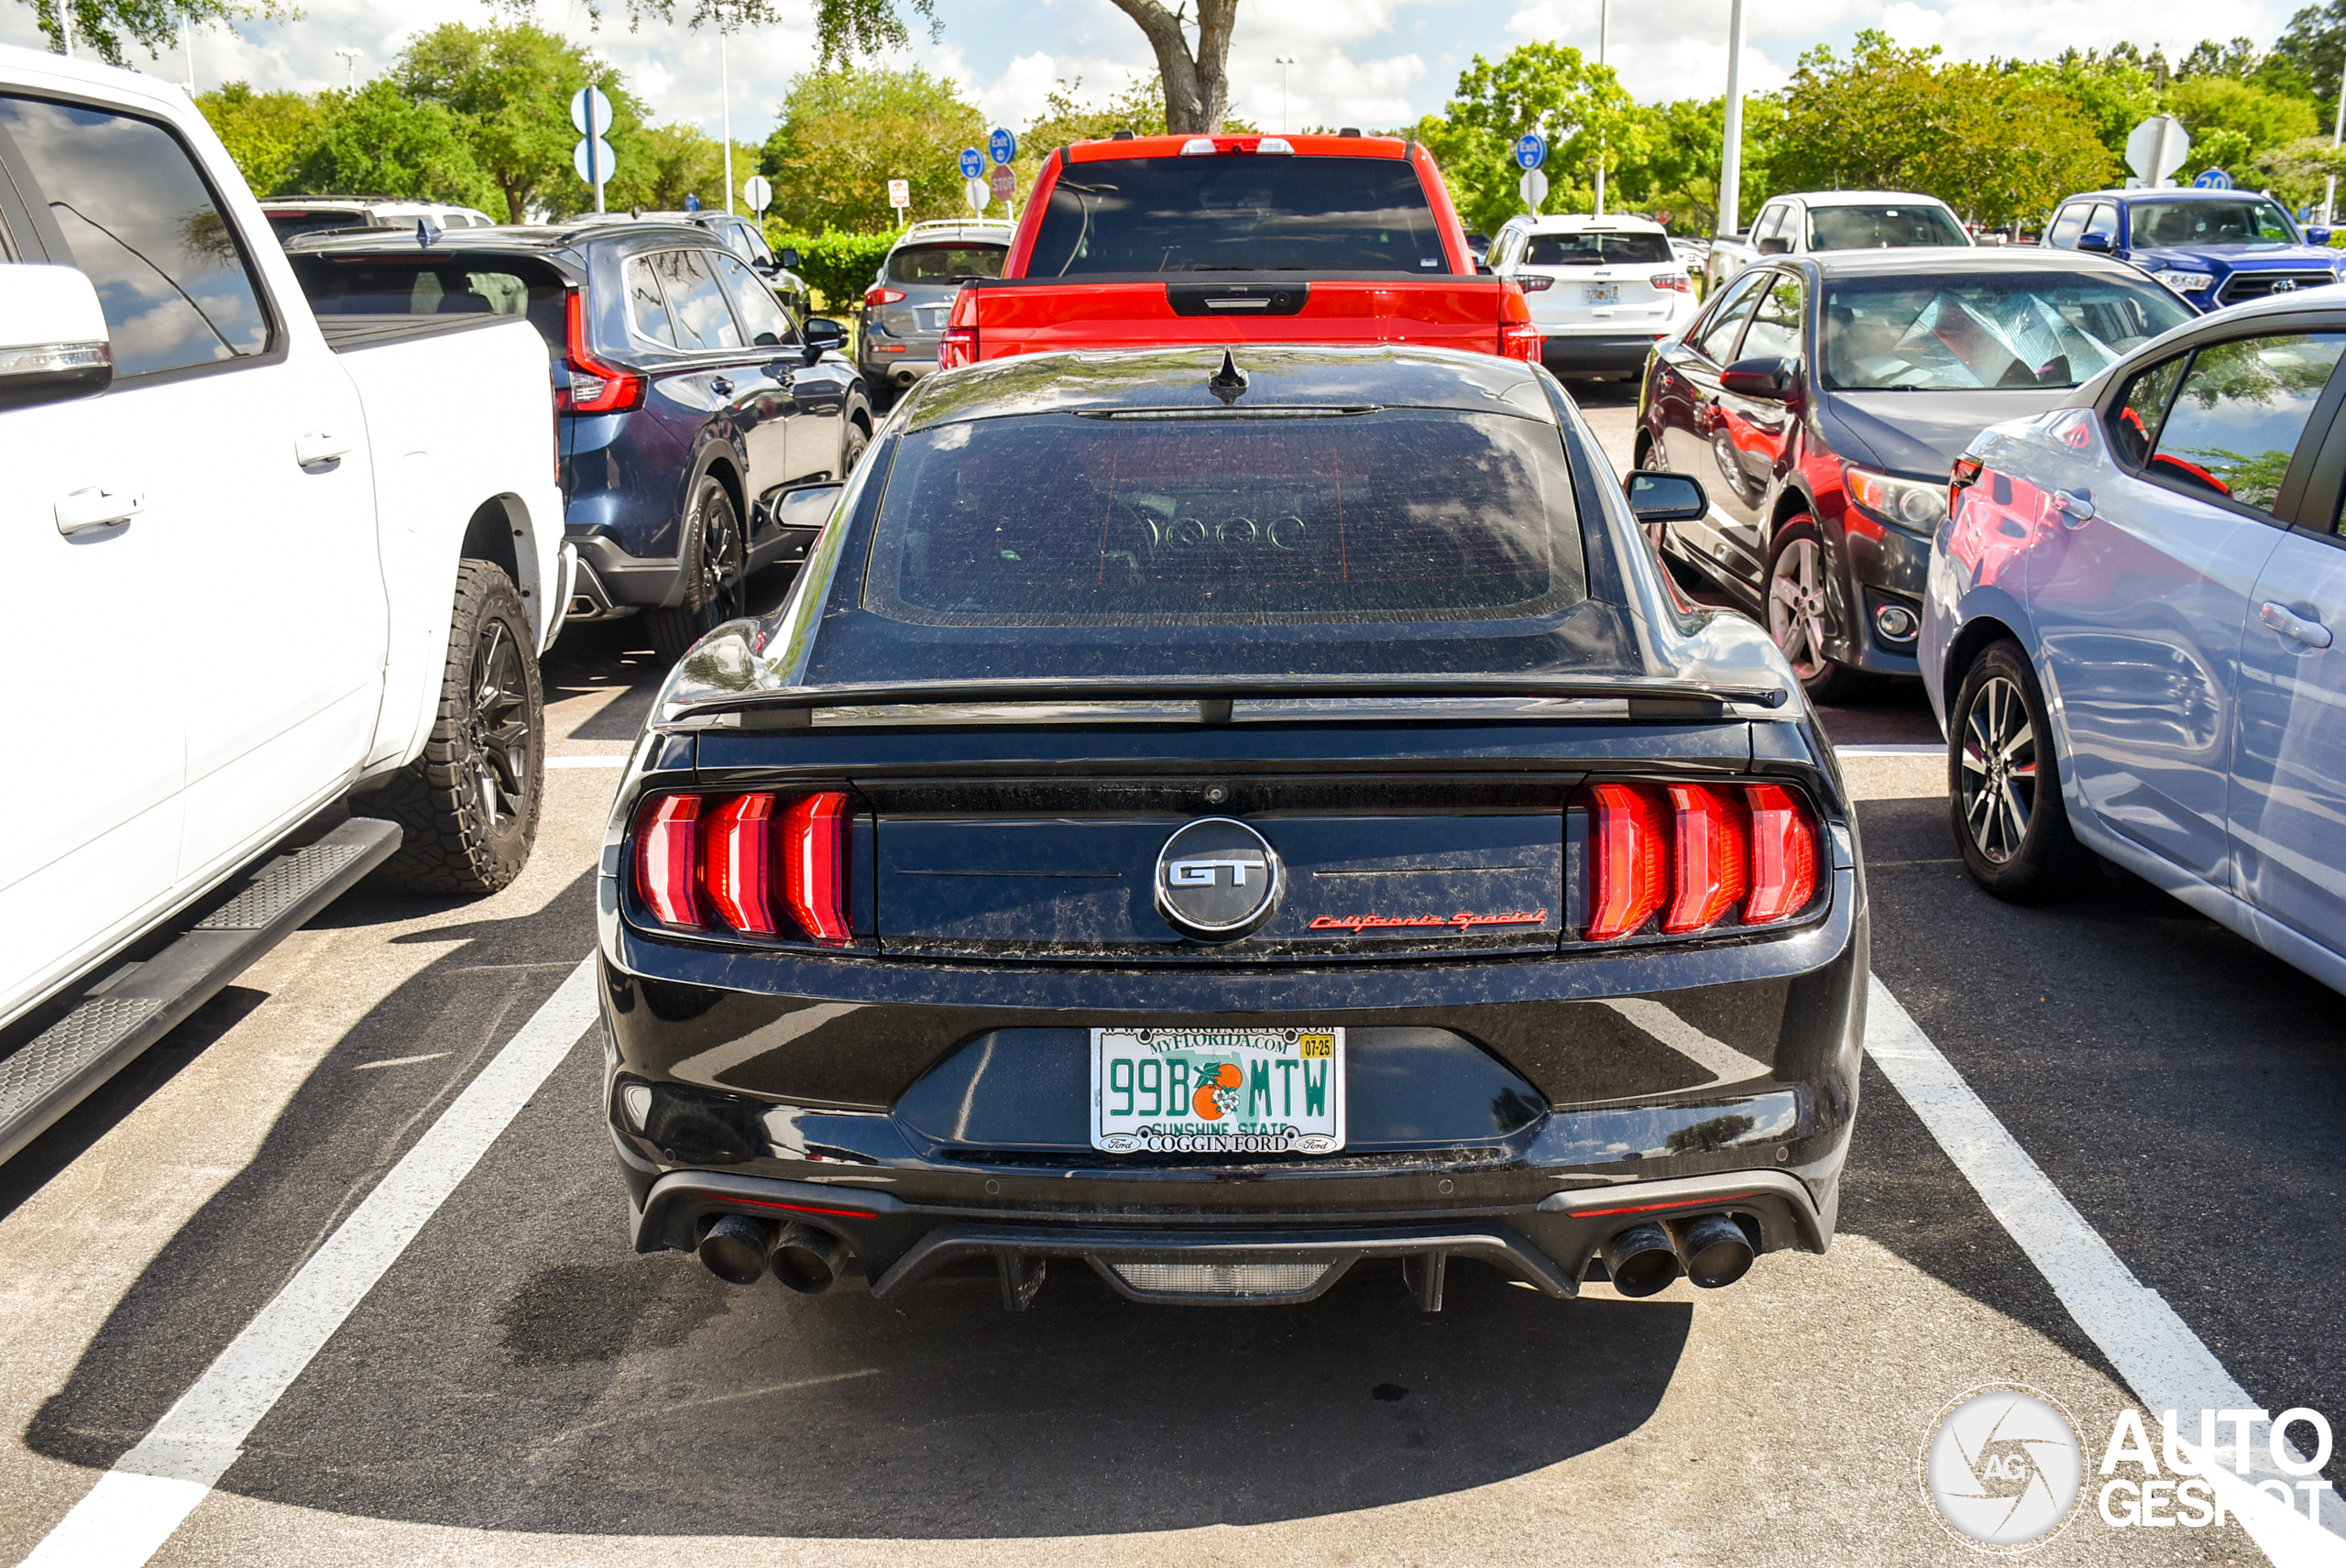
x,y
499,727
724,595
1796,608
1998,778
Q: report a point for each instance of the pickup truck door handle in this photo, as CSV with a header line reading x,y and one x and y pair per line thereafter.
x,y
2312,633
97,507
312,447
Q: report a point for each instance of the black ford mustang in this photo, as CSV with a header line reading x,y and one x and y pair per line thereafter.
x,y
1221,823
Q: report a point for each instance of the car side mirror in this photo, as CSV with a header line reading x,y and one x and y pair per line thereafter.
x,y
809,505
1775,244
1666,498
824,336
1768,378
2318,236
1483,269
789,258
53,340
2096,241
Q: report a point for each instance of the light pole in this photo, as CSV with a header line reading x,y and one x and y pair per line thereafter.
x,y
1285,62
1731,148
187,41
350,58
2337,139
725,96
65,24
1603,8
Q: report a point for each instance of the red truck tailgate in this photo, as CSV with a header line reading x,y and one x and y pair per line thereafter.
x,y
1028,317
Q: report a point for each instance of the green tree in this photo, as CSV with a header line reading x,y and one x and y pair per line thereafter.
x,y
666,163
1995,147
2311,53
2116,89
2231,120
511,86
846,133
1677,170
264,132
1579,108
378,142
2298,172
106,25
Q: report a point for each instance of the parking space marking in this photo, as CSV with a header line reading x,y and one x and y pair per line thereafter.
x,y
617,762
134,1507
2168,1367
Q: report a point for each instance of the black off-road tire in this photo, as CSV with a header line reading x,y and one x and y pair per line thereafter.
x,y
714,563
486,734
2009,821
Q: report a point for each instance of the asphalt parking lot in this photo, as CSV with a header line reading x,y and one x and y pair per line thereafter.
x,y
519,1387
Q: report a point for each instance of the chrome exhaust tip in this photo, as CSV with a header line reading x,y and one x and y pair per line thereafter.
x,y
1641,1260
807,1259
734,1249
1714,1249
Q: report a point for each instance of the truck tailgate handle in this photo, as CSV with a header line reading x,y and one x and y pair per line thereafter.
x,y
1237,299
312,447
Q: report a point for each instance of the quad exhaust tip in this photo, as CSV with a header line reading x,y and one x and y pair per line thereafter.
x,y
1643,1259
734,1249
807,1259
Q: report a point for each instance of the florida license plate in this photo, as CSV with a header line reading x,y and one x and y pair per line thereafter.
x,y
1600,293
1242,1091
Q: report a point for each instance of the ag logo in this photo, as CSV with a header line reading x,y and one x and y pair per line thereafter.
x,y
2002,1468
1217,879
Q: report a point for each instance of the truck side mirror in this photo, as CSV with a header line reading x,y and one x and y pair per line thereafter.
x,y
53,340
2094,242
1775,244
2318,236
789,258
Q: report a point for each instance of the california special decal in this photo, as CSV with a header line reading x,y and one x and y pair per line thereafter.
x,y
1463,920
1244,1092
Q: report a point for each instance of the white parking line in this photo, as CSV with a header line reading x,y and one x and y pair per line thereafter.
x,y
618,761
136,1506
2167,1366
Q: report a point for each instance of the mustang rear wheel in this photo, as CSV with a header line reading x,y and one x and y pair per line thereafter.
x,y
716,566
2003,785
1801,616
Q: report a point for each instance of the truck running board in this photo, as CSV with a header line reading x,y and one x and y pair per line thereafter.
x,y
53,1072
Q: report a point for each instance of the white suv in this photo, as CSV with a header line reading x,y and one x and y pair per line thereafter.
x,y
1602,291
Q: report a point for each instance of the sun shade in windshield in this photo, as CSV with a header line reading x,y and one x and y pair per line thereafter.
x,y
1959,334
1238,213
1396,515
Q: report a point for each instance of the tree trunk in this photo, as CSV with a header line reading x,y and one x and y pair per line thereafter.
x,y
1197,87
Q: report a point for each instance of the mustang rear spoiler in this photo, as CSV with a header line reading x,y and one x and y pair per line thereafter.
x,y
1662,701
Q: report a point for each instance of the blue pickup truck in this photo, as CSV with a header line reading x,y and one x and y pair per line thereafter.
x,y
2212,247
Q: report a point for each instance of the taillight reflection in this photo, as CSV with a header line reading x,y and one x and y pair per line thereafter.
x,y
1696,855
748,862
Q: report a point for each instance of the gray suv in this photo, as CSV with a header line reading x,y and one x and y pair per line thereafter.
x,y
904,309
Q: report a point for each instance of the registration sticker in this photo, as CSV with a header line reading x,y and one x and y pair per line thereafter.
x,y
1600,293
1245,1092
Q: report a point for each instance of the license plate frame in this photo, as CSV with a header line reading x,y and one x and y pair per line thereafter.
x,y
1600,293
1301,1111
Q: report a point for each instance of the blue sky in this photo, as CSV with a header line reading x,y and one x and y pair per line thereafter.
x,y
1364,62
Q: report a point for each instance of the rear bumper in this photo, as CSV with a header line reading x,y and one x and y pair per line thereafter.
x,y
1567,354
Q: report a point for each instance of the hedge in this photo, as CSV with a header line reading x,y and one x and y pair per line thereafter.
x,y
838,266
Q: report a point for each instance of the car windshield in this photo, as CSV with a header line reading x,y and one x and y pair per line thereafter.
x,y
1881,227
2020,329
945,263
2248,220
1238,213
1146,520
457,286
1599,248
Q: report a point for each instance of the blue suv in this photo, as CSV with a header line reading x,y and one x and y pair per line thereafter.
x,y
693,405
2212,247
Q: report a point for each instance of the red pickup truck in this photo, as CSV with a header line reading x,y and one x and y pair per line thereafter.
x,y
1151,240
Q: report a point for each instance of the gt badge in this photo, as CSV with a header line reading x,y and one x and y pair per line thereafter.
x,y
1218,879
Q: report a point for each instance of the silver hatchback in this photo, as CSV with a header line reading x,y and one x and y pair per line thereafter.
x,y
906,308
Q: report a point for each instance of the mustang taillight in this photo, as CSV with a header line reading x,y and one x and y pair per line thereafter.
x,y
747,859
1695,854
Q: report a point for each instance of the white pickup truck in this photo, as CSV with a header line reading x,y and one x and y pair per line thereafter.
x,y
1807,221
275,594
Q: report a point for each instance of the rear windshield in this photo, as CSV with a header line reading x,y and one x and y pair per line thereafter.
x,y
1238,213
945,263
290,225
1873,228
1597,249
2018,329
1064,520
2251,220
458,286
